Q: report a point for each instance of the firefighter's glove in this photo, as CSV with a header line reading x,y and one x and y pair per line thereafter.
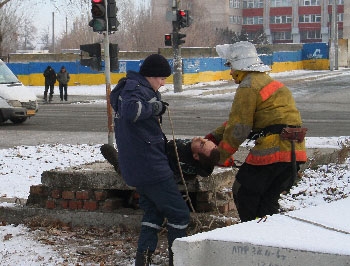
x,y
159,107
212,138
229,162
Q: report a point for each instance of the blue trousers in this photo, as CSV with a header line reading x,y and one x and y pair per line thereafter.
x,y
160,201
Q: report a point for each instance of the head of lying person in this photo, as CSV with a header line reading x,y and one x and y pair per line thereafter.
x,y
197,153
205,152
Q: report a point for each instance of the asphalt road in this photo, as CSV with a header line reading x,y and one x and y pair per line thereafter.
x,y
323,103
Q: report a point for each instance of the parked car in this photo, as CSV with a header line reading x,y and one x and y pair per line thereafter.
x,y
17,102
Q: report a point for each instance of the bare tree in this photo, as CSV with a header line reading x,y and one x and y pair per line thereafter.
x,y
8,29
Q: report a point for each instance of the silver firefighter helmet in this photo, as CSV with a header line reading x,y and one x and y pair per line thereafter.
x,y
242,56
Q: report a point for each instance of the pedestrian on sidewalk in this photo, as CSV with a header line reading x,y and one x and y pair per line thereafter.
x,y
63,79
262,110
50,80
138,108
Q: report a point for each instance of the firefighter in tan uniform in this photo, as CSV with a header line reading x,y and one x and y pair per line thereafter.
x,y
262,108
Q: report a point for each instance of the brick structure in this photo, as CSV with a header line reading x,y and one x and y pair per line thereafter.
x,y
96,187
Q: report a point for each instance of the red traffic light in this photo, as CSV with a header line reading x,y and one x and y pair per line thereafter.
x,y
167,40
183,18
98,8
98,12
182,13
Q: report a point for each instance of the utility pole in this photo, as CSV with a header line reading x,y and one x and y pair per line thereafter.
x,y
108,79
336,35
53,32
332,53
177,51
104,20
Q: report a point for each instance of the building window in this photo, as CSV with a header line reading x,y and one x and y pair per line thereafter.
x,y
235,20
310,2
280,19
278,3
282,35
340,17
339,2
253,20
235,4
310,18
310,34
253,3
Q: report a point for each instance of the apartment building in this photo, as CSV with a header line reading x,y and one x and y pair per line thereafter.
x,y
283,21
297,21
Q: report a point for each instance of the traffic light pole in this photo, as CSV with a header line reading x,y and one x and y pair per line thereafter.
x,y
177,80
108,83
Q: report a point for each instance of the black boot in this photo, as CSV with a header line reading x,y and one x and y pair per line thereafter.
x,y
111,155
171,257
143,258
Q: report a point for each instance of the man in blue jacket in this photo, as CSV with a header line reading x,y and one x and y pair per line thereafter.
x,y
142,157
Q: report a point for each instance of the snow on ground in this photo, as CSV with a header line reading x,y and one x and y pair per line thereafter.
x,y
22,166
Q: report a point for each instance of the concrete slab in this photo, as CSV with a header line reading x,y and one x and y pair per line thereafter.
x,y
304,237
101,175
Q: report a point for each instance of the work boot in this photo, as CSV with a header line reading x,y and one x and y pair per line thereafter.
x,y
143,258
111,155
171,257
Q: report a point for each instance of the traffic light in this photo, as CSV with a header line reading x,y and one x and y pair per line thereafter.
x,y
183,18
178,38
94,51
113,56
167,40
112,9
98,12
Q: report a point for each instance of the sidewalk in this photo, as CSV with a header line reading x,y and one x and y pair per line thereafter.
x,y
313,236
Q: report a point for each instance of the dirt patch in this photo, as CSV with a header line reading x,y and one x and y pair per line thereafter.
x,y
115,246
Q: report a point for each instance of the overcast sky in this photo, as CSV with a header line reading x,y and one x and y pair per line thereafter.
x,y
63,15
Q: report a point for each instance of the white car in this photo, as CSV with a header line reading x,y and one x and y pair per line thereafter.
x,y
17,102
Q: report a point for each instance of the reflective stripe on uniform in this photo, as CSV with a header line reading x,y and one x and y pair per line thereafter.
x,y
258,158
178,226
138,111
270,89
227,147
155,226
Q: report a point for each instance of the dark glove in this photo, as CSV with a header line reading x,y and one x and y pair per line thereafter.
x,y
211,137
159,107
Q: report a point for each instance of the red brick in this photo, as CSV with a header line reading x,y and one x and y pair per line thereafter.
x,y
90,205
65,204
50,204
56,194
82,195
224,208
75,204
67,194
38,190
100,195
231,205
